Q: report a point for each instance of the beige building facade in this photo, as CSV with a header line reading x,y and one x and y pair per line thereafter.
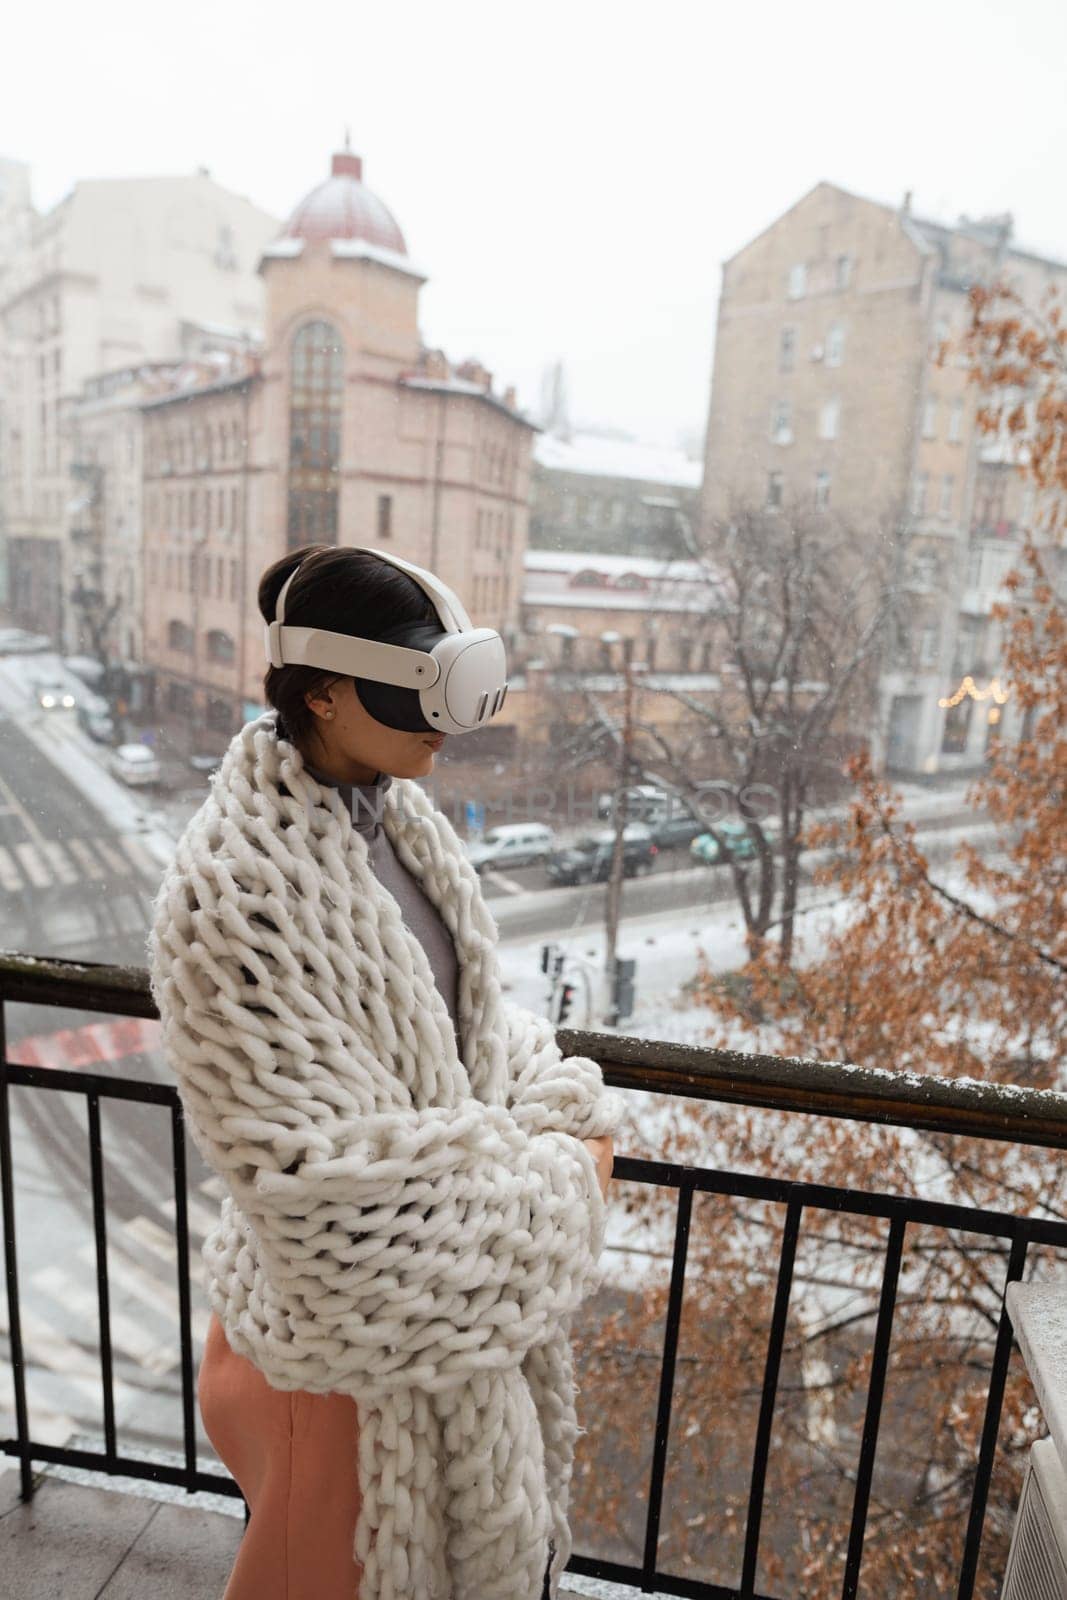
x,y
344,429
828,391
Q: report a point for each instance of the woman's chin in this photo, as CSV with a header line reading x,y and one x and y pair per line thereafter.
x,y
421,762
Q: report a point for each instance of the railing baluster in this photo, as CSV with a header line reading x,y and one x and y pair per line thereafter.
x,y
185,1315
991,1426
14,1315
875,1389
103,1289
666,1383
786,1258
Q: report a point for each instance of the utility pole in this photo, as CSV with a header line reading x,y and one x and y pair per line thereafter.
x,y
614,888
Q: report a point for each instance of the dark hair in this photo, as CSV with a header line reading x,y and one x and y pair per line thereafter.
x,y
342,589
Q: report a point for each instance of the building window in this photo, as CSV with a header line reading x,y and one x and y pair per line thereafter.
x,y
957,727
843,272
948,484
822,490
928,643
829,415
835,345
233,580
179,636
781,423
219,714
385,516
930,418
798,281
918,494
955,422
220,646
787,345
775,488
316,393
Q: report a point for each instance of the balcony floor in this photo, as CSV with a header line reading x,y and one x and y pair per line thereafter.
x,y
75,1542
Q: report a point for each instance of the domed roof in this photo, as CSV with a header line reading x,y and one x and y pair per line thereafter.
x,y
344,208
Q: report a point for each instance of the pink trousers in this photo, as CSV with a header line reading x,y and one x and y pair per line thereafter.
x,y
294,1457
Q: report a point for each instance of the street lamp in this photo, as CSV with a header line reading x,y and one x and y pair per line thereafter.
x,y
199,540
614,886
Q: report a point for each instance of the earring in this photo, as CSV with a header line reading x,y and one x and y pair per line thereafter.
x,y
329,713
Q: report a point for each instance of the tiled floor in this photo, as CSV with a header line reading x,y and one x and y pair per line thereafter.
x,y
71,1542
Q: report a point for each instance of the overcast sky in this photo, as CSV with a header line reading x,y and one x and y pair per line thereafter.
x,y
571,174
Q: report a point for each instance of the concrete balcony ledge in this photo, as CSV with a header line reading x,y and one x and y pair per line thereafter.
x,y
75,1541
79,1543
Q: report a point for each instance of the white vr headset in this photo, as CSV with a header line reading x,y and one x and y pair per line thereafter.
x,y
447,677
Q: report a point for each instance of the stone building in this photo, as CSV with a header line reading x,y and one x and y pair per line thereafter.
x,y
344,429
120,272
599,492
827,391
589,612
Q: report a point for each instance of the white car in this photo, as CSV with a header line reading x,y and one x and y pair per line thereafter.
x,y
53,693
512,844
134,764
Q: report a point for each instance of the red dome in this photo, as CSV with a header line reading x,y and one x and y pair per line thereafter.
x,y
344,208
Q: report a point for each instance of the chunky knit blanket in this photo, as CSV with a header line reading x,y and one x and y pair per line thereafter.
x,y
400,1225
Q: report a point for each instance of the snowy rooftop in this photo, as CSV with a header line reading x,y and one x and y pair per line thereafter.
x,y
618,458
613,565
287,249
455,385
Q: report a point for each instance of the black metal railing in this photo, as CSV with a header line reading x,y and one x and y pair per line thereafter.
x,y
977,1110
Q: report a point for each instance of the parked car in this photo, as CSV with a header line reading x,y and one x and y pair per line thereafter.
x,y
134,764
17,642
641,803
95,719
85,668
512,844
676,830
53,693
736,837
588,859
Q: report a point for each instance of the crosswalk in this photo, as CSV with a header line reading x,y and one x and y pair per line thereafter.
x,y
60,1318
48,863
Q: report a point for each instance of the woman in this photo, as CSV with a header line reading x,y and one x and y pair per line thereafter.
x,y
416,1180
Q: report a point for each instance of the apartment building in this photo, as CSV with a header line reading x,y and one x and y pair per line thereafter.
x,y
121,272
828,391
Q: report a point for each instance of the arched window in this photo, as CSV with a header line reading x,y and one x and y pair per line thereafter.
x,y
179,635
316,392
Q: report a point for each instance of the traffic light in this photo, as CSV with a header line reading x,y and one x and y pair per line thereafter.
x,y
551,959
567,992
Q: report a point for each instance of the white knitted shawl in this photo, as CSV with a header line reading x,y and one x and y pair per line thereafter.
x,y
401,1226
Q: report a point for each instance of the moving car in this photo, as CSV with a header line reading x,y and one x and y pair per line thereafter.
x,y
512,844
53,693
588,859
134,764
735,836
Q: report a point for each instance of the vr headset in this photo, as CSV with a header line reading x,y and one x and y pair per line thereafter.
x,y
421,677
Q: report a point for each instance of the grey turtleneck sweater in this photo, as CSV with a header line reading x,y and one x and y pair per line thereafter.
x,y
364,802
